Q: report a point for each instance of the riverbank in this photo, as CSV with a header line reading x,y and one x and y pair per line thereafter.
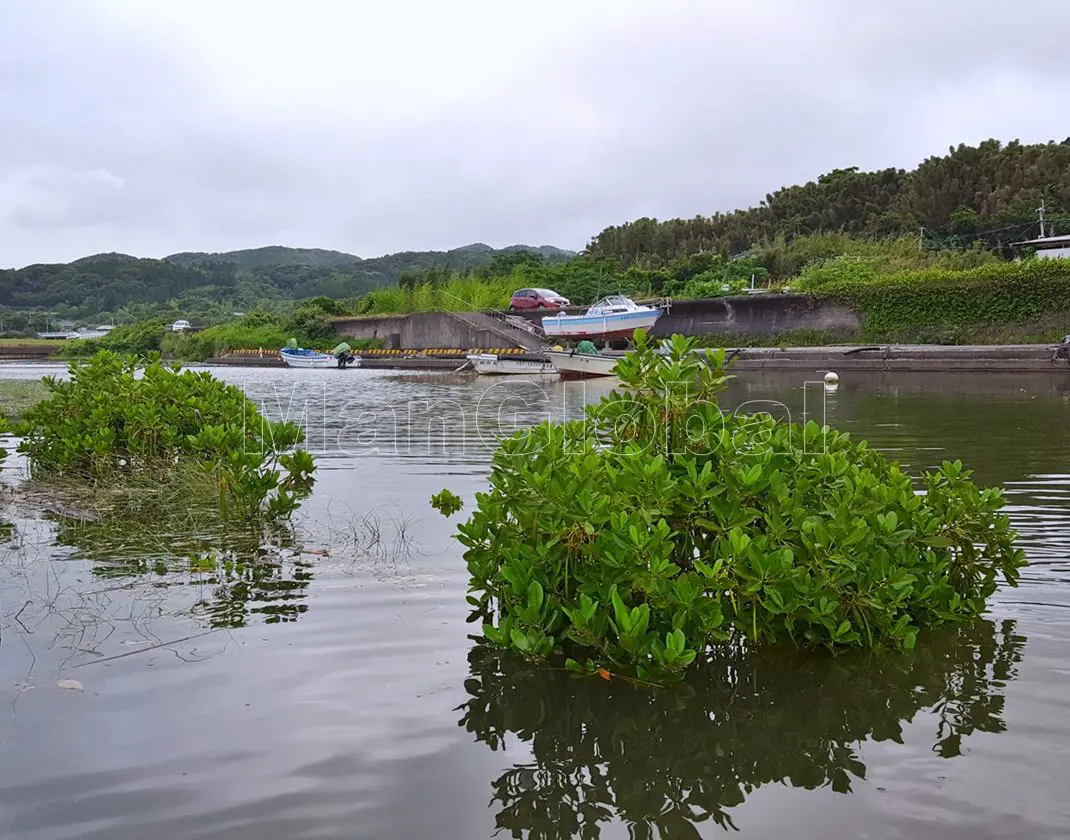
x,y
17,395
919,358
373,362
1005,358
972,358
27,349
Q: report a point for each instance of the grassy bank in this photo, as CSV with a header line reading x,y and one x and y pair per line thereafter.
x,y
223,339
29,342
1003,302
17,395
903,293
458,294
802,337
309,325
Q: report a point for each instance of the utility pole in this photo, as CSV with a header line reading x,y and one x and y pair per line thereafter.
x,y
1040,210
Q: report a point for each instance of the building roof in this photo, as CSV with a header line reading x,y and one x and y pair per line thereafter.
x,y
1046,242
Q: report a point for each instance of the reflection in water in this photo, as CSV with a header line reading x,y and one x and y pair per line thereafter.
x,y
663,761
106,591
241,575
357,695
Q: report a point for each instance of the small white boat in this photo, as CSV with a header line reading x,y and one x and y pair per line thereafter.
x,y
614,316
573,365
492,364
301,358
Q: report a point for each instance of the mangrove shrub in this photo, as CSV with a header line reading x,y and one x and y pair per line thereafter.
x,y
658,526
119,420
136,339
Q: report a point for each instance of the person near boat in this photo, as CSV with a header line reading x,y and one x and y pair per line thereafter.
x,y
342,353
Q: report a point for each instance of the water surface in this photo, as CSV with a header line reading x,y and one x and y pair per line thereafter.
x,y
322,683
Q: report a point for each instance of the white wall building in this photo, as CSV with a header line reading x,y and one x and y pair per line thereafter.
x,y
1048,247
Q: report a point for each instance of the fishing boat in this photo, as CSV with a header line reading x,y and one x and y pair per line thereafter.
x,y
575,365
301,358
614,316
490,364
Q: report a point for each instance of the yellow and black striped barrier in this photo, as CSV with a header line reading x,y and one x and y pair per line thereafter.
x,y
264,352
442,351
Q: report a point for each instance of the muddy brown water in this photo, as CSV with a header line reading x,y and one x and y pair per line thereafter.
x,y
323,684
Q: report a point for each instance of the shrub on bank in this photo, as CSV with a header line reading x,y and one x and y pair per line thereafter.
x,y
117,421
222,339
659,526
137,339
458,294
787,258
954,302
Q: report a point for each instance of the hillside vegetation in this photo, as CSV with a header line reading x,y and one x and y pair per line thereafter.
x,y
992,303
986,194
211,286
922,254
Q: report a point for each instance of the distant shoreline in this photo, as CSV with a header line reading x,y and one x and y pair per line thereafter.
x,y
1003,358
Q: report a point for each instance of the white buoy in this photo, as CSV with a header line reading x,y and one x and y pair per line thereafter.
x,y
832,381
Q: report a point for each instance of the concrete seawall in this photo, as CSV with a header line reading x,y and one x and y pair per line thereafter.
x,y
757,315
427,330
744,315
1035,358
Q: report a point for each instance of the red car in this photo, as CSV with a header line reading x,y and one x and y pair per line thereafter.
x,y
537,299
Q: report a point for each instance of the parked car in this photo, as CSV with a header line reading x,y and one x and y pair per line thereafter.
x,y
180,326
537,299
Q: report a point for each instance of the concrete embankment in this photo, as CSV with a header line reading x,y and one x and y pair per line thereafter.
x,y
921,358
24,352
434,330
1023,358
754,316
743,319
743,316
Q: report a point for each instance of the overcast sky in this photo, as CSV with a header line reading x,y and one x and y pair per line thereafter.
x,y
158,126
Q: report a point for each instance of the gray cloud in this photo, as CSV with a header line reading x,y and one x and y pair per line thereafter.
x,y
164,126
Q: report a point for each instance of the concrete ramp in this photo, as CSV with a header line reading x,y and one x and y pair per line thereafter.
x,y
501,326
461,330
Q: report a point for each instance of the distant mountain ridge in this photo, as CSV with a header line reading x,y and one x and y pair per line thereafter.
x,y
283,255
101,283
268,255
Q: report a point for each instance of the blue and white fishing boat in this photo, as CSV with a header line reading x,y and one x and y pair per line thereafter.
x,y
614,316
301,358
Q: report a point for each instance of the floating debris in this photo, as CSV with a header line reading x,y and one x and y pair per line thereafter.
x,y
71,685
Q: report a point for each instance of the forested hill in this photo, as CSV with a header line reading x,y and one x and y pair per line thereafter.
x,y
272,255
987,193
459,259
237,279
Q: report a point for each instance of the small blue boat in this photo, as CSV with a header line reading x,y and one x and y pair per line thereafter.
x,y
301,358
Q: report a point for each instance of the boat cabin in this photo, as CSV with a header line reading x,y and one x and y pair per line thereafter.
x,y
613,303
